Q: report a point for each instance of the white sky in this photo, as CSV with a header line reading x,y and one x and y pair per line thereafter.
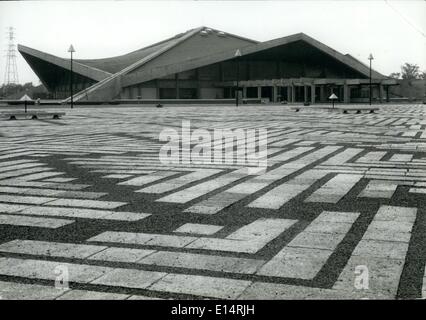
x,y
100,29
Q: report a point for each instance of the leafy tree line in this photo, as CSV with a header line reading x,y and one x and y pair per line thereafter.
x,y
15,91
409,72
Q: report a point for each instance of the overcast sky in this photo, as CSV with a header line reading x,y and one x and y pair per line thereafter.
x,y
394,31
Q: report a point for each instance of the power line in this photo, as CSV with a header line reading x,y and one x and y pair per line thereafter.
x,y
406,20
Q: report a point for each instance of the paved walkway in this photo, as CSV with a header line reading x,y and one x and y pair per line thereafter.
x,y
340,212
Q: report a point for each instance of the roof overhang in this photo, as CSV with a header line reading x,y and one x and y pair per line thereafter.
x,y
165,70
351,62
79,68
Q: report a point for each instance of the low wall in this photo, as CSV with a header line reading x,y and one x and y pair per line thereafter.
x,y
185,101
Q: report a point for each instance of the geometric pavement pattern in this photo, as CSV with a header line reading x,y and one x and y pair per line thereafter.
x,y
88,193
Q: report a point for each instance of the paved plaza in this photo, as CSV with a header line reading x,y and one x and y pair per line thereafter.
x,y
87,210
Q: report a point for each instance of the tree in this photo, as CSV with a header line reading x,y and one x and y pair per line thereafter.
x,y
15,91
395,75
28,85
410,71
7,89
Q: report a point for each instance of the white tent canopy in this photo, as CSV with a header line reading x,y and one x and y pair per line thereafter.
x,y
25,97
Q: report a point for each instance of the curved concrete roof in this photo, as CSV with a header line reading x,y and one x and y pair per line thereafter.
x,y
159,59
118,63
78,67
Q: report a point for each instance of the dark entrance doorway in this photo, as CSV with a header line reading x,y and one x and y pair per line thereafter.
x,y
251,92
266,92
187,93
317,94
282,94
167,93
299,93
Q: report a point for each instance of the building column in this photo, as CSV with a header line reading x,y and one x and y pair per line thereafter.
x,y
157,89
177,85
381,93
288,93
305,93
346,94
387,93
221,77
312,93
244,92
248,70
293,93
274,93
197,75
259,92
322,94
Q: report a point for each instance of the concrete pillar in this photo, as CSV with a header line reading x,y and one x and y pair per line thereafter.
x,y
221,76
240,96
293,93
177,86
248,70
349,94
259,92
322,94
274,93
346,94
197,75
387,93
244,92
312,93
381,92
305,93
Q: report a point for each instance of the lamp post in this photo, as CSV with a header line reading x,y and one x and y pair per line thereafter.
x,y
25,98
237,55
71,50
370,57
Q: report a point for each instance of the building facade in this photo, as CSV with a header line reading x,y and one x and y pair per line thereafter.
x,y
205,63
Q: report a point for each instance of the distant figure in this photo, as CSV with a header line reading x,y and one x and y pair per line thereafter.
x,y
38,101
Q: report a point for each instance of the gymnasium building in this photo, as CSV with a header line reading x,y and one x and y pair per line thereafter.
x,y
205,64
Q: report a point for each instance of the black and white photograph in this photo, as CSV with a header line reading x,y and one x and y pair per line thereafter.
x,y
205,156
